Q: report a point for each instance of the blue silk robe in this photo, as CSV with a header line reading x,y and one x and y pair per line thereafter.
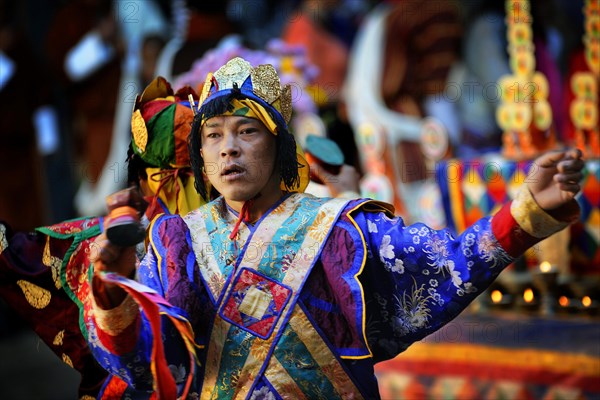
x,y
302,303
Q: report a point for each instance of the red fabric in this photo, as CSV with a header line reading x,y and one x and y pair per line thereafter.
x,y
114,389
22,261
577,63
182,123
122,343
440,367
151,108
247,279
509,234
165,383
125,341
243,217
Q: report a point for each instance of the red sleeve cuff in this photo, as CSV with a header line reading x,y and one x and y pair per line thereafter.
x,y
118,326
509,234
124,341
522,222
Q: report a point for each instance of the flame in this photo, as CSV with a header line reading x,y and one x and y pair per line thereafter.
x,y
545,267
496,296
586,301
563,301
528,295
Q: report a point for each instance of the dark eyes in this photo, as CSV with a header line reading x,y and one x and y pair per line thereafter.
x,y
246,131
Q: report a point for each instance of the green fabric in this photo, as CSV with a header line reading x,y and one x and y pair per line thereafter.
x,y
160,150
241,111
78,238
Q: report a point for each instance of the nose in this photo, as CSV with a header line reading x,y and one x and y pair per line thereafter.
x,y
230,146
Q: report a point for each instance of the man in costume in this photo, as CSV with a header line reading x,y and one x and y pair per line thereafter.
x,y
266,292
43,273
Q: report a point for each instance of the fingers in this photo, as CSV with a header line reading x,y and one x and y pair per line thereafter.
x,y
569,182
575,177
320,173
555,157
550,159
568,178
570,165
570,172
575,154
103,250
572,188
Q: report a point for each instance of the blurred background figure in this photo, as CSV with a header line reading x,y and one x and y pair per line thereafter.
x,y
28,126
196,27
103,52
401,87
88,77
326,30
398,68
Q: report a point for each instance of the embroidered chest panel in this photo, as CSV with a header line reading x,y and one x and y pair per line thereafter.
x,y
255,283
282,246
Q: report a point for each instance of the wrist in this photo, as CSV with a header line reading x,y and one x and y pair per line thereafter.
x,y
536,221
107,295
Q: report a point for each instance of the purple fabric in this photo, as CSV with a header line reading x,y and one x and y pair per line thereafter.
x,y
328,296
182,292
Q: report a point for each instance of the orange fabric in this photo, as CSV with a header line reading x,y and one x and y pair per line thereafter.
x,y
323,49
182,123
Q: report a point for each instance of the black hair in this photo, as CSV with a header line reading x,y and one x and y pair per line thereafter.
x,y
285,142
136,168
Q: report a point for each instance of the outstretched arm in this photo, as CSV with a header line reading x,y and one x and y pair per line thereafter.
x,y
427,277
141,327
546,203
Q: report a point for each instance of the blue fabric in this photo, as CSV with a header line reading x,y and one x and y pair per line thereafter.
x,y
415,280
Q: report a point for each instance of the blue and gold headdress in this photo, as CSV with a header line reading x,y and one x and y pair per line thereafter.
x,y
237,88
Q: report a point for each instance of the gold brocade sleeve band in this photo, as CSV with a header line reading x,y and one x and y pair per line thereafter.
x,y
531,217
115,320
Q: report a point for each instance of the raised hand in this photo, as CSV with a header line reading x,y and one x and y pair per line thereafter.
x,y
114,249
347,180
109,257
555,178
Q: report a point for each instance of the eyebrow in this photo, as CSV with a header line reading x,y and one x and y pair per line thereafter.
x,y
212,124
240,121
244,120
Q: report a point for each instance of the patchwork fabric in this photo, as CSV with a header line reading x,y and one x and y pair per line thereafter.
x,y
255,303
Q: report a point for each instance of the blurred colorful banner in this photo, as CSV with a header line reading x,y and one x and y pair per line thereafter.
x,y
499,357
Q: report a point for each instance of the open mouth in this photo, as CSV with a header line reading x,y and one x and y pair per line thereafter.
x,y
232,171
